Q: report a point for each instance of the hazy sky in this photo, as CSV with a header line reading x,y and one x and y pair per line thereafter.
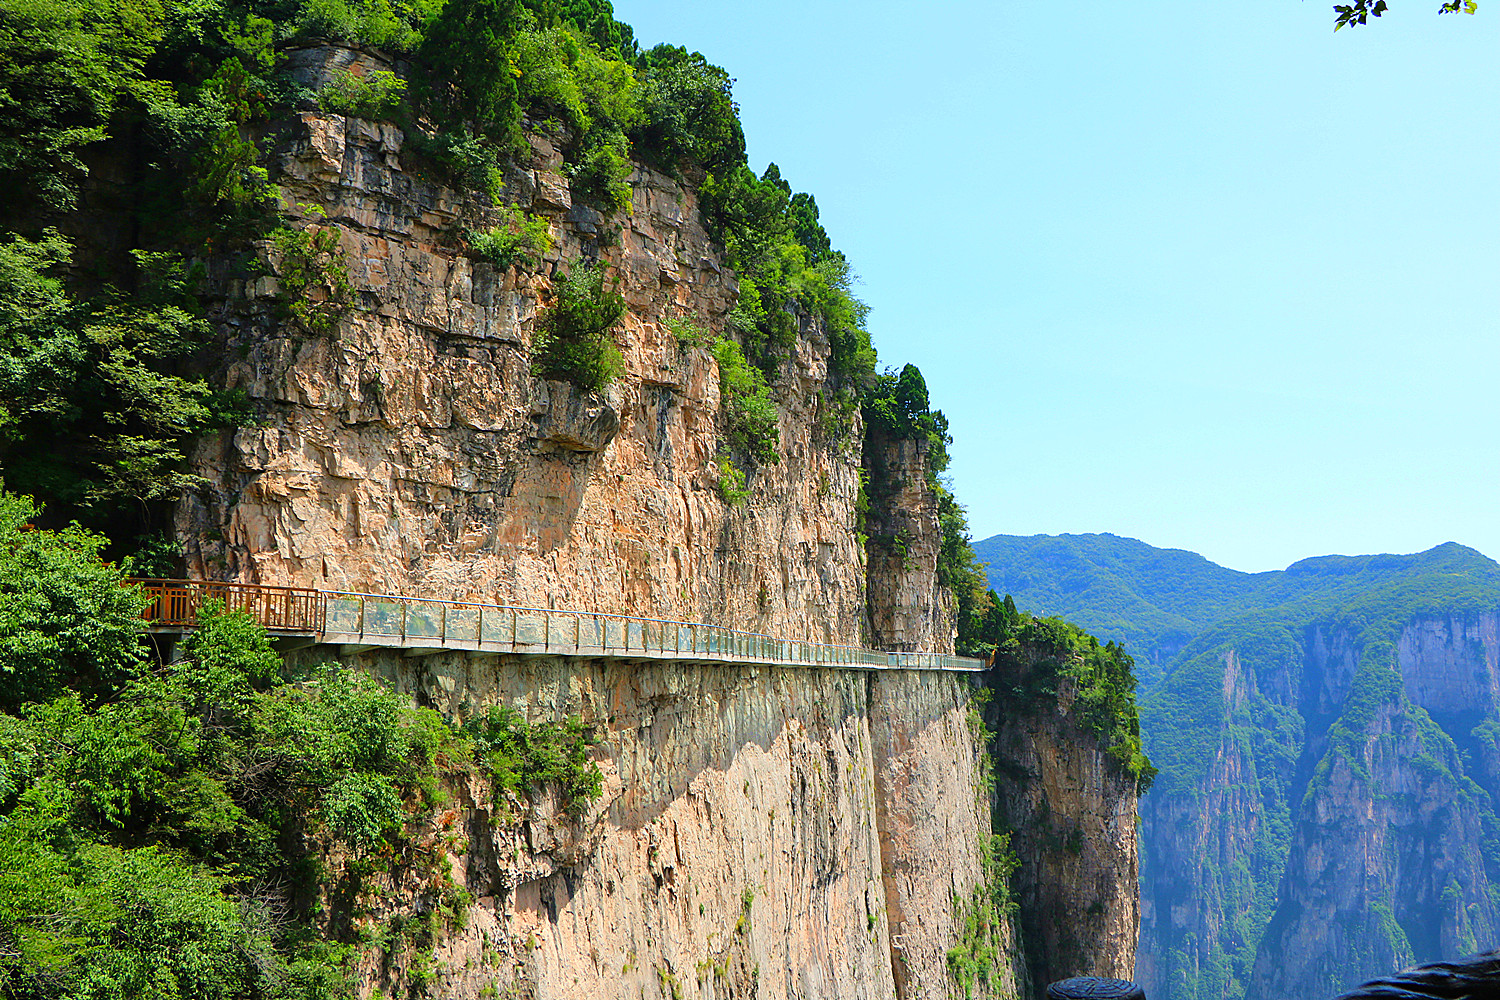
x,y
1203,274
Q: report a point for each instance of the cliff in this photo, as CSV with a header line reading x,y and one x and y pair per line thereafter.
x,y
1071,813
333,306
1391,860
410,450
762,833
771,833
1339,830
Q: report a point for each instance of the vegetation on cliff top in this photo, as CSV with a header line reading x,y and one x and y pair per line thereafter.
x,y
1035,657
95,411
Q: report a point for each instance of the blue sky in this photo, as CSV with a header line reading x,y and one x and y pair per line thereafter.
x,y
1210,276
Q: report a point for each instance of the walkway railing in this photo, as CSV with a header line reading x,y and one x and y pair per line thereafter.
x,y
421,624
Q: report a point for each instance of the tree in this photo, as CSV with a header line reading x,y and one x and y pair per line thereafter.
x,y
690,112
66,618
467,49
1360,10
64,64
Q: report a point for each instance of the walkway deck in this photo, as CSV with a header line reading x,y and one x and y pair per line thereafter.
x,y
418,626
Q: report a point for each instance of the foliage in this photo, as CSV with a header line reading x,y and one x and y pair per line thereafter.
x,y
746,398
732,485
520,756
520,238
373,95
961,572
785,268
381,23
982,917
96,920
469,84
154,841
688,113
225,171
591,19
573,338
65,65
87,415
1032,655
1360,10
688,333
564,77
469,159
66,618
314,274
897,405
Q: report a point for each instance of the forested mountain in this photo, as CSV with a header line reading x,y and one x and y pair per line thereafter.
x,y
1326,739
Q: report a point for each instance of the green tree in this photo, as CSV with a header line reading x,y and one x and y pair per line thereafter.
x,y
90,414
64,66
573,340
689,113
466,48
66,618
1360,11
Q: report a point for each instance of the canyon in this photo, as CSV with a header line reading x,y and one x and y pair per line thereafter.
x,y
1325,812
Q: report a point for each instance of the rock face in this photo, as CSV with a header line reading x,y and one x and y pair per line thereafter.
x,y
410,450
1071,813
908,609
1359,780
762,833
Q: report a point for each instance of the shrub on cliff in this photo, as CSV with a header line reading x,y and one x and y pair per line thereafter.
x,y
521,756
519,238
573,341
746,399
373,95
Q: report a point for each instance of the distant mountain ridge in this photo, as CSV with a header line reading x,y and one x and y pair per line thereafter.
x,y
1328,737
1156,600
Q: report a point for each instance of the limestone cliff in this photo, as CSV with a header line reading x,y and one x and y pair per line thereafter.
x,y
412,451
762,833
1070,810
908,609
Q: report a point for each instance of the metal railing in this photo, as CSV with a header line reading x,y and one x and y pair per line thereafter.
x,y
413,623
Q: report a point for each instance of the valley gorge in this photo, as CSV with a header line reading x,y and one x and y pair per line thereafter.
x,y
1325,812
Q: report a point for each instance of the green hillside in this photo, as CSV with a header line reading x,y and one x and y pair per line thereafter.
x,y
1157,602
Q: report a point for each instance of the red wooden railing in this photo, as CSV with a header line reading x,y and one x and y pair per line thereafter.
x,y
281,609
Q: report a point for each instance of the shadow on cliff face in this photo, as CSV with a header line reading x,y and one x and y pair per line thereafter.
x,y
570,428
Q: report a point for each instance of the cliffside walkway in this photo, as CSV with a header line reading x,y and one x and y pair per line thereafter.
x,y
419,626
